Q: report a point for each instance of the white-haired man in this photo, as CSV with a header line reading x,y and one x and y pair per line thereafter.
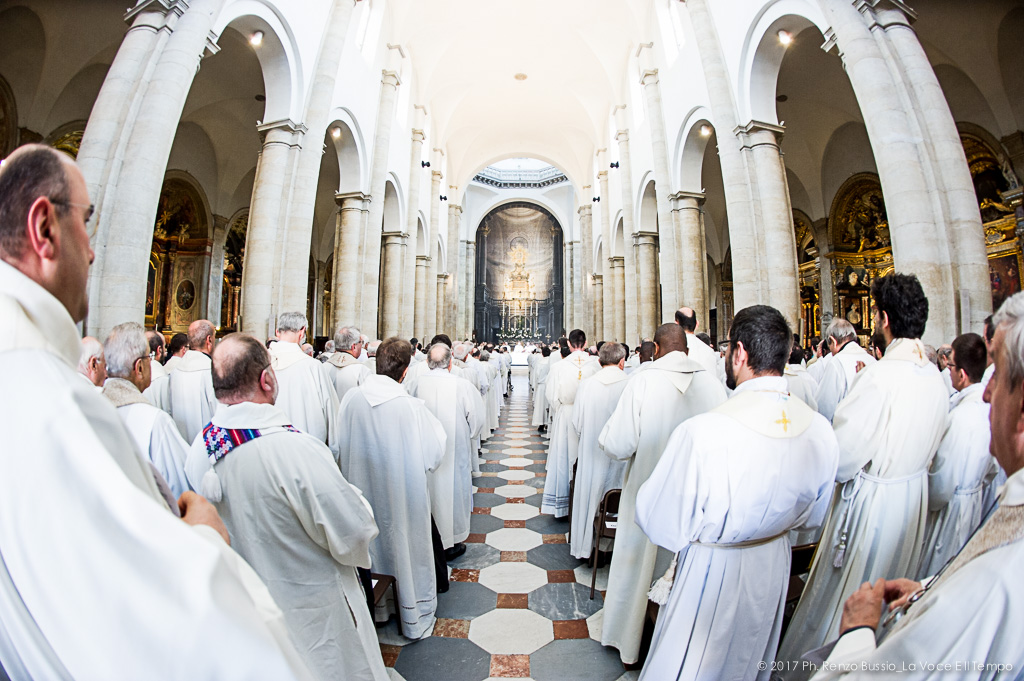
x,y
371,355
92,558
344,366
596,472
848,357
457,405
306,393
191,396
92,364
964,622
128,372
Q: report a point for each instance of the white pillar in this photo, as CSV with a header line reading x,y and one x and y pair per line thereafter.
x,y
469,295
409,290
686,213
608,304
618,271
421,328
215,288
598,311
352,209
432,251
392,257
647,264
586,320
125,229
441,320
631,310
455,255
572,292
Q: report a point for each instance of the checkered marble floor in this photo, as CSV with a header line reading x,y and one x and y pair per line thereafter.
x,y
519,604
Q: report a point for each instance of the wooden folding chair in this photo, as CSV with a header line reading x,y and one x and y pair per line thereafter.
x,y
802,558
381,584
604,528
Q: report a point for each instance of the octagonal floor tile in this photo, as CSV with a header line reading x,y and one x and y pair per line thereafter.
x,y
477,557
575,660
535,500
547,524
566,601
514,539
513,578
516,451
515,491
465,601
552,557
516,462
516,475
511,632
514,512
457,659
595,624
482,524
584,572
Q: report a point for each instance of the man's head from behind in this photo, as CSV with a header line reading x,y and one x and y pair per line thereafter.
x,y
577,340
348,339
242,371
647,350
839,333
612,354
127,352
668,338
156,345
91,362
393,357
687,318
441,338
291,327
178,345
439,356
901,308
759,345
44,215
202,336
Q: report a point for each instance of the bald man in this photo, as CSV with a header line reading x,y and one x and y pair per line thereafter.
x,y
697,350
190,391
653,403
92,364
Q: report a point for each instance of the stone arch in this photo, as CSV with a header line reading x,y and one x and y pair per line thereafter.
x,y
23,49
524,153
442,257
421,236
543,202
1011,61
619,240
393,202
762,54
76,99
965,99
350,147
647,206
278,55
195,188
691,143
847,153
599,258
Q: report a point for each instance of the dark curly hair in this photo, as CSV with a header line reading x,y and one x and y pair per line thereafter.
x,y
901,297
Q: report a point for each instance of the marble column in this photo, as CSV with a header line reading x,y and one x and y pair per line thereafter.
x,y
761,145
452,289
441,319
215,288
598,308
370,251
647,264
674,262
586,257
618,271
570,286
410,291
273,175
420,330
432,250
631,310
124,236
296,237
393,255
469,299
920,242
955,187
686,214
750,275
352,209
608,304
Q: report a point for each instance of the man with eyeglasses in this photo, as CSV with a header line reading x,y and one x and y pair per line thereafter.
x,y
97,578
344,366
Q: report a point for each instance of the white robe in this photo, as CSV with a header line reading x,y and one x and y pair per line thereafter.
x,y
818,365
190,394
389,443
562,382
751,470
159,381
956,481
531,364
92,558
888,429
153,431
653,403
347,372
699,352
838,376
801,384
456,404
306,393
596,472
305,530
972,615
540,403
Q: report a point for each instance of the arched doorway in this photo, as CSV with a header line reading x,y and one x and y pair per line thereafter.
x,y
519,266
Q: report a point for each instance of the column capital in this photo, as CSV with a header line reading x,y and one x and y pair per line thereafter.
x,y
442,276
622,136
285,124
649,77
454,208
680,197
896,12
163,7
759,132
617,261
417,135
646,238
391,78
602,175
598,278
586,210
422,260
351,198
436,175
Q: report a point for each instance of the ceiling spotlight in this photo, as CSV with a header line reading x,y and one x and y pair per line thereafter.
x,y
256,39
596,199
613,165
444,198
520,76
785,37
424,164
706,130
335,132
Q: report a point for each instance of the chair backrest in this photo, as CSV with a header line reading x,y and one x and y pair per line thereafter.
x,y
803,556
610,502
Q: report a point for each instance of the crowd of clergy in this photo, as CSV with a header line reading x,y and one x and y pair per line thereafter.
x,y
222,508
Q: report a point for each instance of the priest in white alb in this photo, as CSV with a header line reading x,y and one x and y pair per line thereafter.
x,y
848,358
190,391
457,405
800,383
540,383
596,472
390,443
652,404
290,514
697,350
154,432
888,429
344,366
305,390
965,622
562,382
730,487
962,465
156,393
